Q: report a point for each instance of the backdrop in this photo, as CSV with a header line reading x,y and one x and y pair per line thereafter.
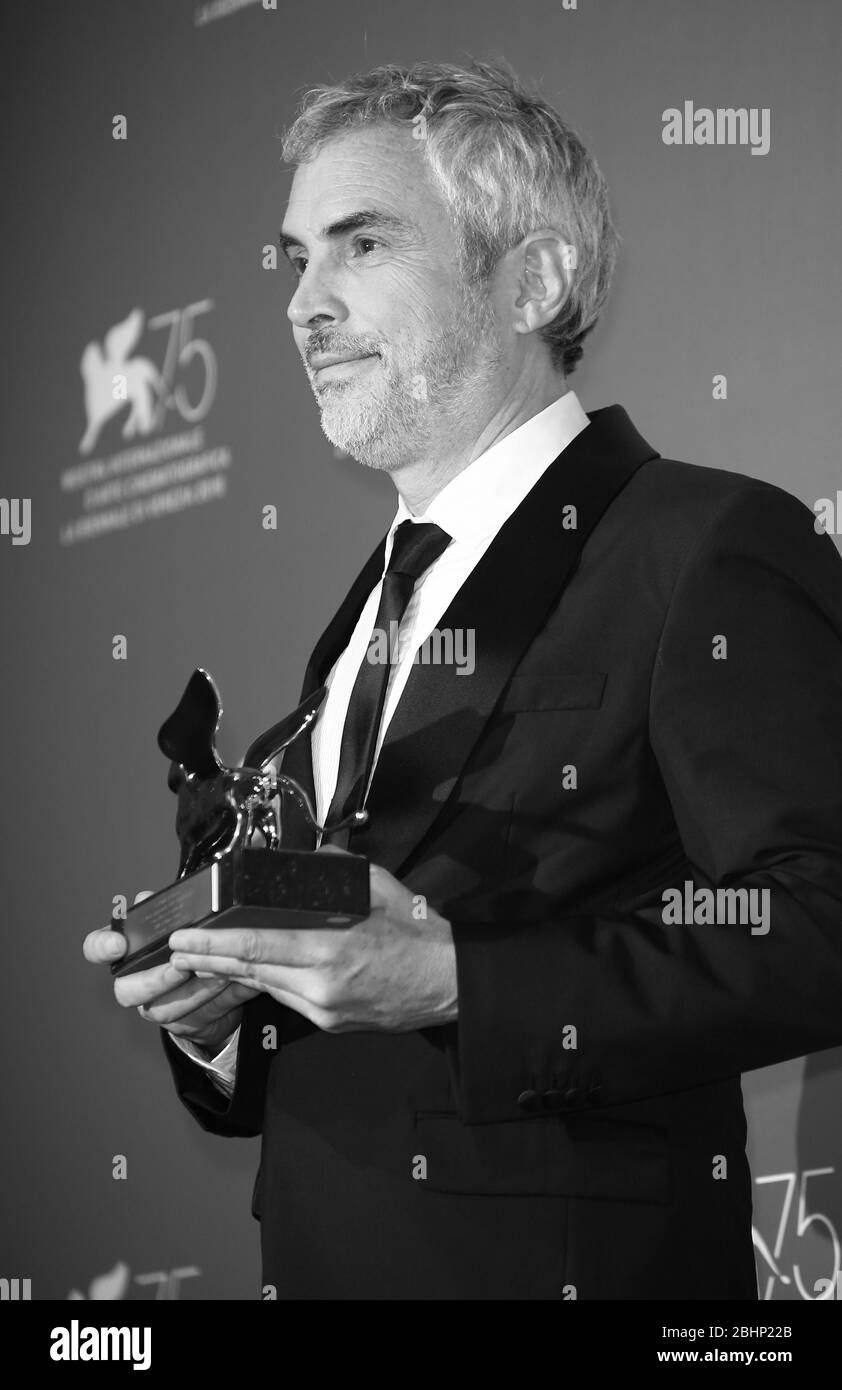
x,y
132,536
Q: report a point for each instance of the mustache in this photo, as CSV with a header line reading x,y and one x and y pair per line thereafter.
x,y
320,342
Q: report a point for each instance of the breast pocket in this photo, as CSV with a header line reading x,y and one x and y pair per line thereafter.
x,y
533,691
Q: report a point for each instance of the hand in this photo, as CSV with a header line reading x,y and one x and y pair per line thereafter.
x,y
203,1011
393,972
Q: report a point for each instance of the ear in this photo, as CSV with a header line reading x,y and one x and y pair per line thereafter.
x,y
543,264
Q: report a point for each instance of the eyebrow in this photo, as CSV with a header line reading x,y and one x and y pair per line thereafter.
x,y
366,217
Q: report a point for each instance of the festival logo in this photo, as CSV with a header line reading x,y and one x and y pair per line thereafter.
x,y
788,1269
134,387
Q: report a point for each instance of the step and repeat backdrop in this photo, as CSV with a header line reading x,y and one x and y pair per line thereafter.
x,y
198,517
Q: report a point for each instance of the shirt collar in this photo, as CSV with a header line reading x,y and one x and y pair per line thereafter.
x,y
479,500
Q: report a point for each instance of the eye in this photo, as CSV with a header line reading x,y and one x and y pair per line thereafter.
x,y
299,264
361,242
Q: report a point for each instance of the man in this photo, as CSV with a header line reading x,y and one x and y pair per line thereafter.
x,y
606,856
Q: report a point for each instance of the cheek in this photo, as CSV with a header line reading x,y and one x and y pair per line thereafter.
x,y
409,306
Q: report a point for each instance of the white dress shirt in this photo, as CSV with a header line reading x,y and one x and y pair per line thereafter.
x,y
471,508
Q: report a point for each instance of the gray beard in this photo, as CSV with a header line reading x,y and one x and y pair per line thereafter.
x,y
391,422
376,425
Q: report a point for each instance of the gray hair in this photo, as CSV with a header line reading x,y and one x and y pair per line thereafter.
x,y
504,161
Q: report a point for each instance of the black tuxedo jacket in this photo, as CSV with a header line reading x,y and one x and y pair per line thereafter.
x,y
657,700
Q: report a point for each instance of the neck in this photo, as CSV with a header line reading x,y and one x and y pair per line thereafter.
x,y
457,442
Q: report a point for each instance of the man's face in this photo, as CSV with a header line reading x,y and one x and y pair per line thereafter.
x,y
393,339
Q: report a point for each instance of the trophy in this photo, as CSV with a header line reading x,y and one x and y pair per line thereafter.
x,y
223,879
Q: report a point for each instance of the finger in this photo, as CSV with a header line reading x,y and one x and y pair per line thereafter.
x,y
383,887
144,986
216,967
302,982
178,1008
185,998
274,947
103,945
106,944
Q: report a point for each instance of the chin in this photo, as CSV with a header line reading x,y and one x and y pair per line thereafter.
x,y
372,445
345,421
351,437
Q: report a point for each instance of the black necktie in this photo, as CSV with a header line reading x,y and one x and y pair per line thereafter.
x,y
416,545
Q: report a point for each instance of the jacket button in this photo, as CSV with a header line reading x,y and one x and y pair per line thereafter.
x,y
530,1101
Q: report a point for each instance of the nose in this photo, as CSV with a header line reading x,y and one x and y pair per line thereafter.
x,y
315,301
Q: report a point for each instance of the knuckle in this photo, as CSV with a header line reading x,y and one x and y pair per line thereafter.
x,y
250,946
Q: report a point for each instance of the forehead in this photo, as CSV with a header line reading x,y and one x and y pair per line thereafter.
x,y
380,167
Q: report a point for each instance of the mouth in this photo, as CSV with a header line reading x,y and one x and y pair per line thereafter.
x,y
339,365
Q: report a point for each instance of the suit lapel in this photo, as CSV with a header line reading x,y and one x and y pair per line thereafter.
x,y
506,600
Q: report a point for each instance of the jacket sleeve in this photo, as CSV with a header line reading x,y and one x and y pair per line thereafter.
x,y
750,750
241,1115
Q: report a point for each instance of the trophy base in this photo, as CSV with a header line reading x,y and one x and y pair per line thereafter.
x,y
256,888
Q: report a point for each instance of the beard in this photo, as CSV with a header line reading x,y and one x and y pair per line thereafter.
x,y
399,404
